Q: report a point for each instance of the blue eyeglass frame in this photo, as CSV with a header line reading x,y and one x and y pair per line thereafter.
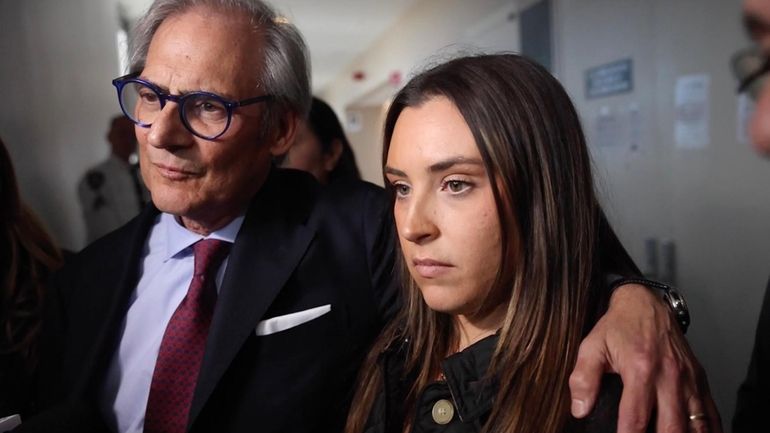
x,y
121,82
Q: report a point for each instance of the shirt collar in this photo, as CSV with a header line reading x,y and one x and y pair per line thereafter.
x,y
179,239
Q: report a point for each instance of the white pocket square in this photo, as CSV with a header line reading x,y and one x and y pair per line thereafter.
x,y
288,321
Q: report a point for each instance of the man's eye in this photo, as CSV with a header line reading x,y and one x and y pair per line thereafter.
x,y
207,109
148,96
208,106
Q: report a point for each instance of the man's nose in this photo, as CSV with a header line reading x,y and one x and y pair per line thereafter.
x,y
167,130
419,222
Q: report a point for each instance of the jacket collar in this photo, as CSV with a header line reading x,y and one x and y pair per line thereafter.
x,y
133,235
472,390
397,382
465,372
271,242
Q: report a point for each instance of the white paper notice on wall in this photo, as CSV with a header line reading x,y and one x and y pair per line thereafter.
x,y
691,128
743,116
607,128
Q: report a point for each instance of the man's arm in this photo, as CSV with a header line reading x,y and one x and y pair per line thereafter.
x,y
639,339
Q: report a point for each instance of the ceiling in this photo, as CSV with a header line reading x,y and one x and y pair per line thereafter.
x,y
336,31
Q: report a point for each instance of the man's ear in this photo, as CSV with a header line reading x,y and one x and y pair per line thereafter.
x,y
285,137
333,155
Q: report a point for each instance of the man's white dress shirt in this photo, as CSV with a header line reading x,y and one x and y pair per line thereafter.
x,y
165,275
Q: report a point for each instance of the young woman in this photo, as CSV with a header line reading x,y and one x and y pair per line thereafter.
x,y
27,257
503,246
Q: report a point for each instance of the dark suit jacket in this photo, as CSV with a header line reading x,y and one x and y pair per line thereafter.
x,y
300,247
753,404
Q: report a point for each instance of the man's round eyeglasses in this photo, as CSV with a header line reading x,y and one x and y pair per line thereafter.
x,y
206,115
750,67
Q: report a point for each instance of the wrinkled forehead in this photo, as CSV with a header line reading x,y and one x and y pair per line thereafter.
x,y
205,49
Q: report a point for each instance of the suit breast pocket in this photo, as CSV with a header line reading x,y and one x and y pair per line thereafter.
x,y
288,321
304,333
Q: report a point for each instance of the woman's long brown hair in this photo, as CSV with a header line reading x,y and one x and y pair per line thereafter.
x,y
557,242
27,257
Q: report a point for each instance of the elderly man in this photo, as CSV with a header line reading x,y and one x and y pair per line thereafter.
x,y
752,67
244,298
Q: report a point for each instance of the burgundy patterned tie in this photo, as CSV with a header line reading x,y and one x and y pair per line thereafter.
x,y
181,350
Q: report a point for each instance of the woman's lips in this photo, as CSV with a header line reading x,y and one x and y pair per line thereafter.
x,y
429,268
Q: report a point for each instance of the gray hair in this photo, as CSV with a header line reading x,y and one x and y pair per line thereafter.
x,y
286,73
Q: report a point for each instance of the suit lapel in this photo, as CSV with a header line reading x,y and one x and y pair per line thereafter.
x,y
131,243
272,240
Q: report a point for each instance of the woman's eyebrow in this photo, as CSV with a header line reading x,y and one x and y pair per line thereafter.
x,y
393,171
439,166
451,162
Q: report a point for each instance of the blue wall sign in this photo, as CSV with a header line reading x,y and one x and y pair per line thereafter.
x,y
610,79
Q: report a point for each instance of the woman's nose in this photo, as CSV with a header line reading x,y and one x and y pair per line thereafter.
x,y
418,224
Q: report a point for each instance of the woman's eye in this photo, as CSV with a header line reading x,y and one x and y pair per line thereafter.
x,y
401,189
456,186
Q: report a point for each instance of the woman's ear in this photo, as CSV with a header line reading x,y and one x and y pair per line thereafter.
x,y
285,137
331,157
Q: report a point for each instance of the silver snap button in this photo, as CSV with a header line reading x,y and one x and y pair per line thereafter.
x,y
443,411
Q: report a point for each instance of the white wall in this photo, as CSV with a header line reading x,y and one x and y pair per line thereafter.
x,y
366,142
58,60
430,31
712,202
430,27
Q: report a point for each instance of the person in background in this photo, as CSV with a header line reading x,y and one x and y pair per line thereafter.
x,y
504,252
751,68
111,193
321,147
28,256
